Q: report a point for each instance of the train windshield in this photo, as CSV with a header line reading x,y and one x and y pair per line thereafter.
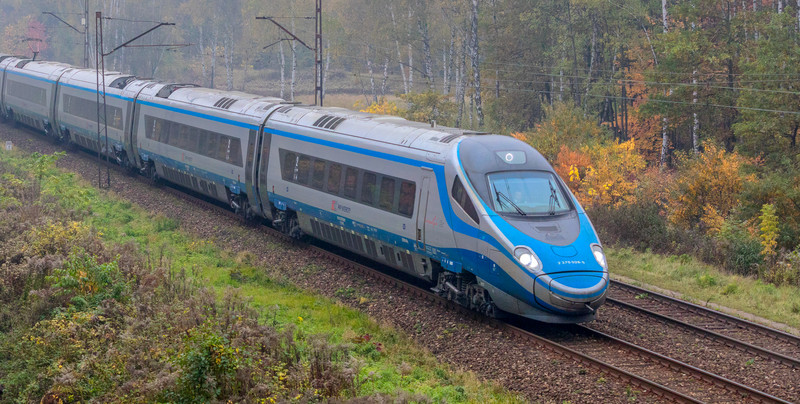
x,y
527,193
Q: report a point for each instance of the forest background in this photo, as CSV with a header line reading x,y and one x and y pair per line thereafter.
x,y
675,123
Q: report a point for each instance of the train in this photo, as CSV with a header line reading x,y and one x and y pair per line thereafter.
x,y
483,218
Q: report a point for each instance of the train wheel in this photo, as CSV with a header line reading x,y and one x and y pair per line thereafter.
x,y
150,172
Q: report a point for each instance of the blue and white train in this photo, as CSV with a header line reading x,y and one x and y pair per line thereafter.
x,y
484,218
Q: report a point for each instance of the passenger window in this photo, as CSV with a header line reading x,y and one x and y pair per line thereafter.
x,y
303,169
459,194
289,162
223,153
318,176
350,182
368,188
334,178
407,192
163,133
236,152
386,201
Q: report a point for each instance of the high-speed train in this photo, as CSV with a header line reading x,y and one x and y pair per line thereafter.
x,y
483,218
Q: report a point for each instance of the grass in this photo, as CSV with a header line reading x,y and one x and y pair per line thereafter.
x,y
390,363
704,283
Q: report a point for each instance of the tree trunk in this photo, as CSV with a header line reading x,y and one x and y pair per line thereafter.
x,y
664,138
214,39
696,123
327,66
422,25
461,82
410,52
476,63
451,57
283,71
203,66
397,47
371,77
294,70
592,51
574,85
385,76
229,62
294,62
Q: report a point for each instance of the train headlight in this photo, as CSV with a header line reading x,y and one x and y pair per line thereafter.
x,y
528,258
599,255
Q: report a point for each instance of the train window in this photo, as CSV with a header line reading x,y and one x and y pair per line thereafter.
x,y
334,178
350,182
87,109
368,188
408,191
27,92
303,169
318,176
212,139
235,152
459,194
289,162
386,201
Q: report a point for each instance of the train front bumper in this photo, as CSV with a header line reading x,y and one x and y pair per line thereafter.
x,y
578,292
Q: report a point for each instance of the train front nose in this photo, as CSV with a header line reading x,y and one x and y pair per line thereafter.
x,y
572,291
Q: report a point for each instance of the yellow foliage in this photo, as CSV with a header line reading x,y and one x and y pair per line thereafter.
x,y
707,187
382,107
602,174
768,230
56,238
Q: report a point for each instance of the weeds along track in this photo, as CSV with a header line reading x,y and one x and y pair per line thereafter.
x,y
649,375
746,335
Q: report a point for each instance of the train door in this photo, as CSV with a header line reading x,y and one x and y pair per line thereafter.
x,y
422,208
261,174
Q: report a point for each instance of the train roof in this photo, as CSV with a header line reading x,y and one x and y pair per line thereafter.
x,y
88,78
42,68
384,129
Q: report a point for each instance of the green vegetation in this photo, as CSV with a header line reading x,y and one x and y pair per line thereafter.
x,y
703,283
101,301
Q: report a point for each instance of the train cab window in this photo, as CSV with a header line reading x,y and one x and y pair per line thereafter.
x,y
289,162
334,178
368,187
350,182
459,194
386,200
407,192
303,169
318,176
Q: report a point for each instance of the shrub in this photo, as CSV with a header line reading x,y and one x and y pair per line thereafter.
x,y
639,225
741,250
706,189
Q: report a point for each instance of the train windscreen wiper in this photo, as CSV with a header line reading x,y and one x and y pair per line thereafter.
x,y
514,205
553,199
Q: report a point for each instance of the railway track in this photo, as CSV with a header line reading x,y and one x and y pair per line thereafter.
x,y
748,336
648,371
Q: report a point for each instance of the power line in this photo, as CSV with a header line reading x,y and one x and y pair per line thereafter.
x,y
654,100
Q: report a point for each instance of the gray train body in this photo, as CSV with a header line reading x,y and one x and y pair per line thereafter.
x,y
484,218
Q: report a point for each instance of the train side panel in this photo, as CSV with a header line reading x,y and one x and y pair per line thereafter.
x,y
343,193
28,93
195,150
77,110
